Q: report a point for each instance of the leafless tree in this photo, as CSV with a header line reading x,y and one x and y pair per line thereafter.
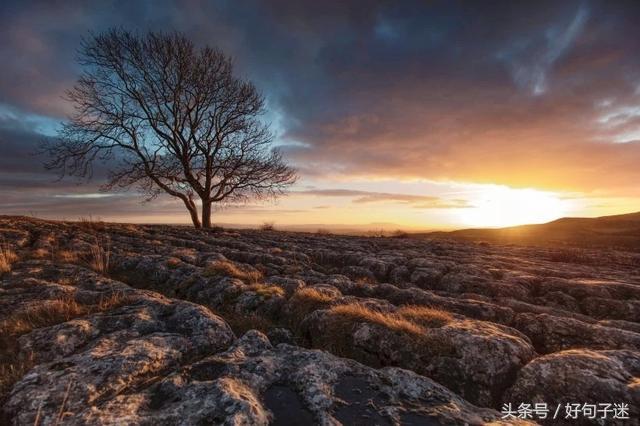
x,y
168,117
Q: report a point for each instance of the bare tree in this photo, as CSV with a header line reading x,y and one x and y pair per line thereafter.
x,y
169,118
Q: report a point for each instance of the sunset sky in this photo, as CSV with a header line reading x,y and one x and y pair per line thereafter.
x,y
419,115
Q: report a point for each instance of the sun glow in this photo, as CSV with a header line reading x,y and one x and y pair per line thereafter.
x,y
498,206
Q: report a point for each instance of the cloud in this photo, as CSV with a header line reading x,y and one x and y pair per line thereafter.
x,y
517,93
364,197
530,59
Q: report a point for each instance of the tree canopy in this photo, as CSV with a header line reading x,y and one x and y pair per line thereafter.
x,y
172,118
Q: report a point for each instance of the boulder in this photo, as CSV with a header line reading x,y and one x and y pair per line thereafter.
x,y
254,383
474,358
581,376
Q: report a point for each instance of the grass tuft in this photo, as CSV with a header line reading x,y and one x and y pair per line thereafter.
x,y
67,256
267,291
91,225
7,258
46,313
356,312
12,371
425,316
305,301
99,256
230,269
410,323
40,253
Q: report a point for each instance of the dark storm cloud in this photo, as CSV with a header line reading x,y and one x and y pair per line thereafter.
x,y
514,92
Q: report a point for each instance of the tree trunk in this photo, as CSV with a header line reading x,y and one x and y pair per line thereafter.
x,y
193,211
206,214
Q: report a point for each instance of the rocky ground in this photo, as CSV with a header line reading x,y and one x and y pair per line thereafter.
x,y
132,324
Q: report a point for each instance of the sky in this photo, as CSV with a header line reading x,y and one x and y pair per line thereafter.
x,y
409,114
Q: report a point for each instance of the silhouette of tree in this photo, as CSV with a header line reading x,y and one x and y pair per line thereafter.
x,y
168,118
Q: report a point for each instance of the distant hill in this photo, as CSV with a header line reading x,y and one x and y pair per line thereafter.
x,y
607,231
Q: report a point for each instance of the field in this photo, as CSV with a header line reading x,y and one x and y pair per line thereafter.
x,y
166,324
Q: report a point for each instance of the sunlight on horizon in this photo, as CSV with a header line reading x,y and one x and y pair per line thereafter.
x,y
499,206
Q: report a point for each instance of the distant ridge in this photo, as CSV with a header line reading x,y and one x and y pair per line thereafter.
x,y
621,230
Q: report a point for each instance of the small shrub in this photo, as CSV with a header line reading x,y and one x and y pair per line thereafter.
x,y
230,269
268,226
323,231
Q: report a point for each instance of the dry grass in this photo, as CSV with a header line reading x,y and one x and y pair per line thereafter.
x,y
67,256
99,256
40,253
337,333
7,258
56,311
91,225
425,316
111,301
365,281
266,291
13,370
230,269
305,301
70,281
45,313
130,228
409,323
356,312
